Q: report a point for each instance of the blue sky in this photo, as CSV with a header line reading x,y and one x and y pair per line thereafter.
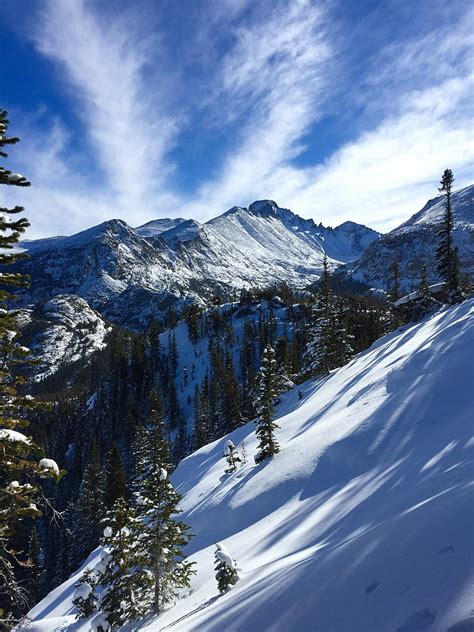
x,y
151,108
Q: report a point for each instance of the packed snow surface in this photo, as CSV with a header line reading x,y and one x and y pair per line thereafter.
x,y
362,523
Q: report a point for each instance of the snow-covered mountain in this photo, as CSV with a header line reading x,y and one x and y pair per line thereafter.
x,y
130,274
364,520
61,331
414,244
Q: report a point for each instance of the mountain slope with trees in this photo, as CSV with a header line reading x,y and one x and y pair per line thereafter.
x,y
414,244
362,521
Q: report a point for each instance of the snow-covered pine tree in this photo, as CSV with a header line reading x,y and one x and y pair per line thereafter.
x,y
266,392
161,544
85,596
320,347
126,583
226,569
232,457
19,468
447,257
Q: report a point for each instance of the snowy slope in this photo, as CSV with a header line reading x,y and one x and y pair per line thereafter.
x,y
158,226
130,275
363,522
414,244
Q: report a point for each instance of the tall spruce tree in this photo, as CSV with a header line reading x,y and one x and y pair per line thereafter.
x,y
20,471
160,546
320,346
343,339
447,257
266,392
90,506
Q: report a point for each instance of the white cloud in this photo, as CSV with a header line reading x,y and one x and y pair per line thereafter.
x,y
104,63
421,91
274,77
279,74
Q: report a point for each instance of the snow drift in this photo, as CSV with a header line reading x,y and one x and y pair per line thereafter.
x,y
363,522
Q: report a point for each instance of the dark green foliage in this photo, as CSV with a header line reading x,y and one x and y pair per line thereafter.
x,y
116,484
90,505
225,567
20,472
447,256
266,392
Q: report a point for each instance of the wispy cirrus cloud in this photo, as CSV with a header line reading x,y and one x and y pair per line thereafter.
x,y
416,110
105,63
273,80
263,78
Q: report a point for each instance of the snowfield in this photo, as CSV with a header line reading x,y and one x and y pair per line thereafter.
x,y
363,522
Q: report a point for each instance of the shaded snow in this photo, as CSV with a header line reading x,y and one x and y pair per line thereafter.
x,y
362,523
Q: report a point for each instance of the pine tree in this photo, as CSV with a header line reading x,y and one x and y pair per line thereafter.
x,y
201,419
126,585
85,596
317,356
447,259
226,569
19,468
163,538
231,397
90,505
320,346
343,339
424,288
36,575
232,457
116,485
394,293
266,392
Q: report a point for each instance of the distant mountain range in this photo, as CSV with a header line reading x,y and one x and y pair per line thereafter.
x,y
131,274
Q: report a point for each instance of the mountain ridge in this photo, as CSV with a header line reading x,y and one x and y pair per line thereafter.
x,y
131,275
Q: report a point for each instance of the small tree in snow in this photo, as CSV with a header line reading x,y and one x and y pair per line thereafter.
x,y
226,569
85,596
267,391
232,457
